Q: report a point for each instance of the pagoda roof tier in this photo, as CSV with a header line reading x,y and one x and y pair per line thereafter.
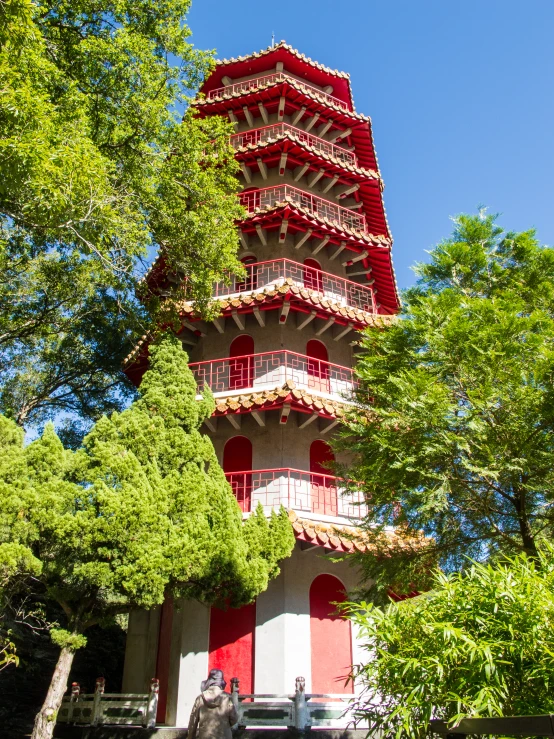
x,y
368,191
288,395
269,91
291,59
376,250
257,138
313,210
329,536
295,298
344,538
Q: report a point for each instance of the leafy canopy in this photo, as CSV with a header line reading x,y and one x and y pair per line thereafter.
x,y
456,439
479,644
98,170
141,510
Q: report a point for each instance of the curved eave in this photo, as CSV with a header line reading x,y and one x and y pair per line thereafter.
x,y
288,142
300,299
273,400
328,536
334,229
270,93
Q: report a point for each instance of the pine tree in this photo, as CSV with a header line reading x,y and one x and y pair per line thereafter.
x,y
141,511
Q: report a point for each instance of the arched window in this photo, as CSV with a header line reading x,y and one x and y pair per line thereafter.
x,y
313,276
237,460
331,639
241,369
318,365
323,486
250,281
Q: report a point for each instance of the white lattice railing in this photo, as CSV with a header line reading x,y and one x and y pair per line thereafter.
x,y
271,197
272,369
308,492
256,83
280,130
261,275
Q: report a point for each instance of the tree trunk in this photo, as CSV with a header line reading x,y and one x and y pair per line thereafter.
x,y
46,718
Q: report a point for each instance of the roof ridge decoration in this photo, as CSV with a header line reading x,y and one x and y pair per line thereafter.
x,y
283,45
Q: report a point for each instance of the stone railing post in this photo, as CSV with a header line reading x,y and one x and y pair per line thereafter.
x,y
97,712
301,710
235,698
149,720
75,693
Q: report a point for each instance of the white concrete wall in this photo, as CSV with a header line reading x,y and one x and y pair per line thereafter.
x,y
282,641
141,650
190,667
283,644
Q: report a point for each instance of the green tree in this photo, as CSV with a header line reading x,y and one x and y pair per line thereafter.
x,y
98,170
452,435
479,644
141,511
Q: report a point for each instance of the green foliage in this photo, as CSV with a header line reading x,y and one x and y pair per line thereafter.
x,y
142,509
99,168
479,644
64,639
457,439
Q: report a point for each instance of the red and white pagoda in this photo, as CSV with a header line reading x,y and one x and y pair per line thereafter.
x,y
317,251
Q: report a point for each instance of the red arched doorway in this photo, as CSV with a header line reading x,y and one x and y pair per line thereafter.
x,y
313,276
318,365
237,460
331,639
324,491
241,369
250,281
232,644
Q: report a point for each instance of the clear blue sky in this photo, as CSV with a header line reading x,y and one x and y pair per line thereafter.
x,y
460,93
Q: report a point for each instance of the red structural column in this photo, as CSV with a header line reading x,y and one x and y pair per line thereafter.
x,y
164,653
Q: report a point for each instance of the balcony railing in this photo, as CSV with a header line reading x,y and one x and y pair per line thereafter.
x,y
272,79
271,197
261,275
272,369
280,130
302,491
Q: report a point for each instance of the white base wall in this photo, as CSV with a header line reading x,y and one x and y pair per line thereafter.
x,y
282,645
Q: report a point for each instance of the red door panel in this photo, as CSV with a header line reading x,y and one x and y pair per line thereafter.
x,y
331,640
237,458
323,488
232,644
241,369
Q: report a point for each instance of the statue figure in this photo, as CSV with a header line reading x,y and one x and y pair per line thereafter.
x,y
213,712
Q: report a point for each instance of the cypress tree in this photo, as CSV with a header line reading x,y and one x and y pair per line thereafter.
x,y
141,511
